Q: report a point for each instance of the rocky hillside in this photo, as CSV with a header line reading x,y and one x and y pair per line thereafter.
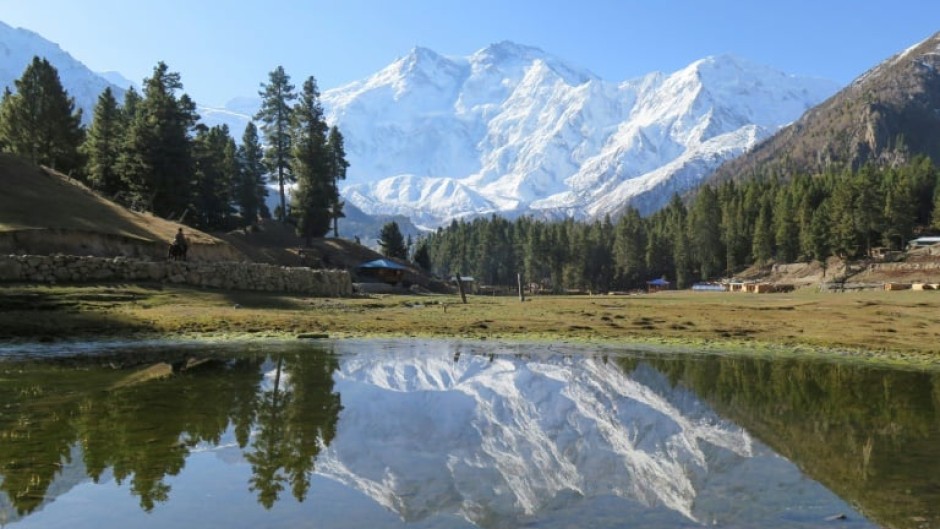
x,y
889,114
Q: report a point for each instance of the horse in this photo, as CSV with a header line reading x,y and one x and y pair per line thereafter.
x,y
176,252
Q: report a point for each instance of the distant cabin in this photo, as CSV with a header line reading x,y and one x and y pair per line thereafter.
x,y
382,270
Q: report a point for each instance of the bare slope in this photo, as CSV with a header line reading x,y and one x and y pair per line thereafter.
x,y
44,212
888,114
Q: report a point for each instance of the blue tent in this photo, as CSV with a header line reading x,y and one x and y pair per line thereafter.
x,y
655,285
383,263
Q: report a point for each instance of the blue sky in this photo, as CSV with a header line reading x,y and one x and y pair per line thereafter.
x,y
224,49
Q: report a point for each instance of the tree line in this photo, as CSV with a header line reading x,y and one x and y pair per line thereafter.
x,y
280,429
718,232
151,153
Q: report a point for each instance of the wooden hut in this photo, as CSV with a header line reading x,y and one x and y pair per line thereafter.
x,y
382,270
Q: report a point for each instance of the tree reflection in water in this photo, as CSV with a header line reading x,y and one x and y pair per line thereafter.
x,y
143,428
868,434
295,420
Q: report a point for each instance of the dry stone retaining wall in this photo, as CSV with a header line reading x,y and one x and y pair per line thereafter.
x,y
223,275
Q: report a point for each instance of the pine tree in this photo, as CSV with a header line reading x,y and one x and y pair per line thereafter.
x,y
705,233
629,249
102,146
275,117
309,163
337,164
844,235
900,210
39,120
251,192
392,241
422,256
762,243
786,229
215,169
157,160
819,234
868,206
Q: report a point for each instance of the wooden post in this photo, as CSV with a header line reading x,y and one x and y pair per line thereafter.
x,y
521,292
463,295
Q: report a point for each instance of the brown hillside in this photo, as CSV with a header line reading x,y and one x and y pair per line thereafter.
x,y
44,212
887,115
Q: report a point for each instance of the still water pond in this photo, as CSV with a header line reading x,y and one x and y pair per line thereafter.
x,y
447,434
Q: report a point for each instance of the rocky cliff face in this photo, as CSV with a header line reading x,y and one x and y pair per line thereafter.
x,y
887,115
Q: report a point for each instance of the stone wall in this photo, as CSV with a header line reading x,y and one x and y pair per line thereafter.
x,y
90,243
222,275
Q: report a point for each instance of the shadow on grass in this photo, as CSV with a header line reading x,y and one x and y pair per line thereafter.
x,y
28,324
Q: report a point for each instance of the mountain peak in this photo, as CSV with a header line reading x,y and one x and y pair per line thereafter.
x,y
508,55
18,46
507,48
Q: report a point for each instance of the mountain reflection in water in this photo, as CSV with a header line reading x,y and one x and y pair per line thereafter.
x,y
441,434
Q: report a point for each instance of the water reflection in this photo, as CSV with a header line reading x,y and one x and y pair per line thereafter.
x,y
439,434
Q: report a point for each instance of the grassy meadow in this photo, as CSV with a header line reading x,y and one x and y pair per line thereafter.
x,y
895,327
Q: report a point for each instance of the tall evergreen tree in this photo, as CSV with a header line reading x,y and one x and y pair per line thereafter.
x,y
337,166
819,239
786,227
157,160
422,256
215,169
251,191
39,120
275,117
392,241
629,249
900,209
762,243
705,233
309,163
102,146
868,206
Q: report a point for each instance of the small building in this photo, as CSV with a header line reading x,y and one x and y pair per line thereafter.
x,y
382,270
921,242
655,285
897,286
709,287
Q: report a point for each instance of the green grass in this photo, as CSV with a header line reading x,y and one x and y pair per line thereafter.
x,y
894,327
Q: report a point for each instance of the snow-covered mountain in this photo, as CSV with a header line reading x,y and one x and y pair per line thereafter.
x,y
18,47
512,129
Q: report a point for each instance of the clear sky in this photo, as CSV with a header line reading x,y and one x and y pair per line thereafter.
x,y
223,49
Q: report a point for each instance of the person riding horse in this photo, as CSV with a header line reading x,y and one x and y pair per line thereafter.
x,y
178,247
